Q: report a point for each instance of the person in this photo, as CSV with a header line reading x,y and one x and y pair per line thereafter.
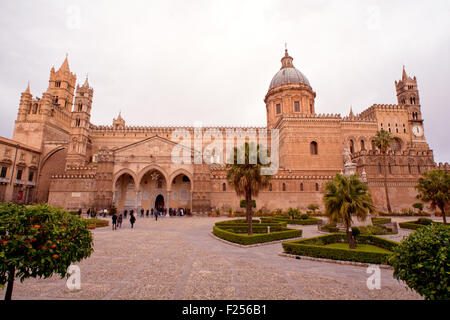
x,y
88,212
132,219
114,221
80,212
146,213
132,212
181,212
105,212
142,212
119,221
125,213
156,214
152,212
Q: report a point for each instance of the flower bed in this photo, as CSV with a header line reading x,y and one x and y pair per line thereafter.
x,y
319,247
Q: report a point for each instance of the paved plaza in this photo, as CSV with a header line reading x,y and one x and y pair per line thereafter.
x,y
177,258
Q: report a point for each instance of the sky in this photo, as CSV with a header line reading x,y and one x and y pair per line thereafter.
x,y
211,61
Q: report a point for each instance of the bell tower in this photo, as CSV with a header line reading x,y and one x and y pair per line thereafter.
x,y
79,144
408,96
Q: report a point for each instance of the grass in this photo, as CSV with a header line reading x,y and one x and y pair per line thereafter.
x,y
361,247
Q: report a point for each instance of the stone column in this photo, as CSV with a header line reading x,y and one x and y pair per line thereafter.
x,y
168,200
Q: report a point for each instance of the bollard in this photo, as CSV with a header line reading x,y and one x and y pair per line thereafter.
x,y
268,229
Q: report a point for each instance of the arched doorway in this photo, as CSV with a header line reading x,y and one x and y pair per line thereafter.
x,y
159,202
153,190
125,192
181,193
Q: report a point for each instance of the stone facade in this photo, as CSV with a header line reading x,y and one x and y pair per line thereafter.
x,y
79,164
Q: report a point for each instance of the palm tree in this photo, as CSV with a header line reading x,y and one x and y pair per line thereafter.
x,y
247,179
346,197
383,140
434,187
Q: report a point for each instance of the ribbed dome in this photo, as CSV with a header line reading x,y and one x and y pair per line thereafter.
x,y
288,76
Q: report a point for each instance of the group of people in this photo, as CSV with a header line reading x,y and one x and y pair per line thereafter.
x,y
118,219
93,213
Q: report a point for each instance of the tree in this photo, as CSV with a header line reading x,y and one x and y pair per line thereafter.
x,y
421,261
383,140
434,187
346,197
246,178
418,206
293,213
38,241
313,207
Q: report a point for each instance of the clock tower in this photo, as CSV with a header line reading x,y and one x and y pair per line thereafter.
x,y
408,97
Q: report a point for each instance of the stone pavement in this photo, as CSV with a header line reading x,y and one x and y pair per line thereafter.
x,y
176,258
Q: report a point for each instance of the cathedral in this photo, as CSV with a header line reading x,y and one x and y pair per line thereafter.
x,y
58,156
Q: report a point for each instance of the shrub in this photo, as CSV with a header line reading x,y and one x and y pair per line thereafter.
x,y
305,216
418,206
243,203
313,207
329,227
419,223
246,239
424,221
375,230
293,213
314,247
355,232
422,261
301,221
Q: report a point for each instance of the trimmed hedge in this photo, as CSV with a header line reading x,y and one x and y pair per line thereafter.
x,y
97,223
246,239
314,247
414,225
376,221
308,221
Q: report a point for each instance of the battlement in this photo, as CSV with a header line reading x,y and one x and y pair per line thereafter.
x,y
370,112
443,166
407,152
159,129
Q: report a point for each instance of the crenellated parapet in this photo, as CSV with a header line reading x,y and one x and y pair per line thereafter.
x,y
443,166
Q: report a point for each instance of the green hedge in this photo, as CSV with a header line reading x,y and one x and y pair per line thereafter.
x,y
314,247
414,225
246,239
97,223
308,221
376,221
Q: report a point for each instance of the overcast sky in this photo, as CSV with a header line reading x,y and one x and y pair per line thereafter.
x,y
177,62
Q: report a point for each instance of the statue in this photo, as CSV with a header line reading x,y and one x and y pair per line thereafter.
x,y
349,166
347,156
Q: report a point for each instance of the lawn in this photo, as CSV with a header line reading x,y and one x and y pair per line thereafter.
x,y
361,247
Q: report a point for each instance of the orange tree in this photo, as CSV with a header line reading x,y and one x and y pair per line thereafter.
x,y
38,241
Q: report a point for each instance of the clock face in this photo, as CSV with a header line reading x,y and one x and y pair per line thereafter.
x,y
417,131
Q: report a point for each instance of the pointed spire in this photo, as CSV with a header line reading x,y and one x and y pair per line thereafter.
x,y
27,90
351,115
404,75
65,65
86,82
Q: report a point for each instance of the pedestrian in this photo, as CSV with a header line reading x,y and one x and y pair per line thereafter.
x,y
132,212
142,212
88,212
125,213
156,214
181,212
146,213
132,219
119,221
80,212
114,221
152,211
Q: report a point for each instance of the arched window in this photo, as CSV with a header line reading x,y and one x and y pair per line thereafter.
x,y
352,146
363,147
296,106
418,169
317,187
409,168
379,168
301,186
77,122
159,184
35,106
80,107
390,168
314,148
411,100
311,108
270,187
374,147
224,186
284,187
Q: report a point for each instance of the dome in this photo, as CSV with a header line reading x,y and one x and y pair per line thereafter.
x,y
288,76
